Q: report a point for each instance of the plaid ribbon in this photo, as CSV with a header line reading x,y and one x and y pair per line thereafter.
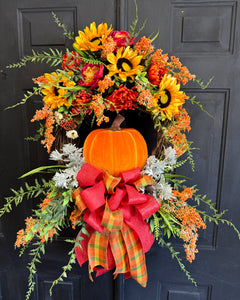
x,y
110,181
109,230
78,200
112,220
145,180
97,250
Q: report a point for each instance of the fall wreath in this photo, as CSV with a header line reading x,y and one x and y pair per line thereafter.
x,y
117,196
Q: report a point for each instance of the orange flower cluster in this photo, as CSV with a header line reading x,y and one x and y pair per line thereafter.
x,y
145,98
173,132
191,222
190,219
108,46
144,46
174,66
75,216
46,113
98,107
159,59
183,75
40,80
46,202
104,84
50,234
184,195
22,234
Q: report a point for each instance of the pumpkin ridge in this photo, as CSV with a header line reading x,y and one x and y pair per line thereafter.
x,y
135,146
111,137
91,148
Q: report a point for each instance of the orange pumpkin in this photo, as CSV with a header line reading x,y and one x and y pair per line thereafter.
x,y
115,149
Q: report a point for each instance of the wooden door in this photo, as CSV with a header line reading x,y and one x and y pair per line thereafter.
x,y
205,35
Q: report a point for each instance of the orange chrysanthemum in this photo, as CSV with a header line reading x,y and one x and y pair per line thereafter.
x,y
123,98
156,73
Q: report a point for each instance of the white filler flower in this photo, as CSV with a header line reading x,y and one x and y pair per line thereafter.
x,y
72,134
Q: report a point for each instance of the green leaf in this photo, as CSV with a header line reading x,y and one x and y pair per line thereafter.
x,y
40,169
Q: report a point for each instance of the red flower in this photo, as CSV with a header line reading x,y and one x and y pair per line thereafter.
x,y
155,74
122,38
67,123
77,104
71,61
91,74
123,98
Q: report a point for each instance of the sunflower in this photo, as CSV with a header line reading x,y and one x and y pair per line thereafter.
x,y
92,38
55,97
125,63
169,98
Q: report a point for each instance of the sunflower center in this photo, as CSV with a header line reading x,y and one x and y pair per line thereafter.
x,y
124,64
165,99
96,40
56,90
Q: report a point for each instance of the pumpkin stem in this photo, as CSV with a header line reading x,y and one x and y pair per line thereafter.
x,y
117,122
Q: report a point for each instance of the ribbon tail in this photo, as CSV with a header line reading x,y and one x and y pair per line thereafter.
x,y
97,250
119,252
138,269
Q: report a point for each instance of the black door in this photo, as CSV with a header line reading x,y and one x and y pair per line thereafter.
x,y
205,35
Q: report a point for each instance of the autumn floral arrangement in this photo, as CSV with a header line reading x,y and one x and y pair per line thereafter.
x,y
117,197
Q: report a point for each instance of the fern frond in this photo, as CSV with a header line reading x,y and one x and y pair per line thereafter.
x,y
19,195
36,253
175,255
66,268
199,104
190,155
28,95
199,81
133,26
89,57
54,57
68,34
